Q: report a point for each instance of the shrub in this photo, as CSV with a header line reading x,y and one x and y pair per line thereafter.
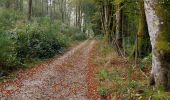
x,y
36,41
79,36
23,42
8,59
8,19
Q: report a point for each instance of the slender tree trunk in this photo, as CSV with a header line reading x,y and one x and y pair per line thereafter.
x,y
29,9
8,3
119,28
79,16
51,10
21,5
17,3
160,38
102,14
47,8
62,4
142,36
76,16
54,7
42,7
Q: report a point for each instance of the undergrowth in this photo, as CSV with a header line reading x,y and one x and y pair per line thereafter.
x,y
24,43
119,79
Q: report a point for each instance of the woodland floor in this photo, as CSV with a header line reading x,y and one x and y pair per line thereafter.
x,y
89,71
69,77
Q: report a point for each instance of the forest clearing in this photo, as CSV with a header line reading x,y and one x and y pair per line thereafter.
x,y
84,49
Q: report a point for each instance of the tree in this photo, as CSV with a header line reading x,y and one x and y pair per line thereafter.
x,y
21,5
156,14
106,14
8,4
119,38
143,42
29,9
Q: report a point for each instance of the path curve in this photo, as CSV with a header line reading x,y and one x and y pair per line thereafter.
x,y
63,78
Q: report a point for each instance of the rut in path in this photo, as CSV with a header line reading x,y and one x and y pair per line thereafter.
x,y
63,79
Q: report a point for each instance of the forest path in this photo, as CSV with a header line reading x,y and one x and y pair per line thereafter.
x,y
63,78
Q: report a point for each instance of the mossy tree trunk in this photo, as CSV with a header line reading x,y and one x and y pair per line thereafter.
x,y
143,42
159,31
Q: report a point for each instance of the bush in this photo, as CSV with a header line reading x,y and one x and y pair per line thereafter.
x,y
23,42
79,36
37,41
8,19
7,52
8,59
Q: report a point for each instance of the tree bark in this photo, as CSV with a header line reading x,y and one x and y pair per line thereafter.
x,y
160,39
119,39
21,5
47,8
42,7
142,36
29,9
8,4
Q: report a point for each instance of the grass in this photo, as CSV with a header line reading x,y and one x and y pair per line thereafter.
x,y
118,78
103,91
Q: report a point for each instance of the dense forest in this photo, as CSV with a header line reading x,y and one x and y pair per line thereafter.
x,y
124,44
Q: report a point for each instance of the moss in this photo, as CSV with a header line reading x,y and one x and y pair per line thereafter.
x,y
143,33
164,45
163,39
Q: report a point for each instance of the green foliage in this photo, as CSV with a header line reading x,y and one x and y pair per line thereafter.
x,y
7,42
23,42
133,84
103,74
147,59
99,37
35,40
8,19
117,2
103,91
7,52
79,36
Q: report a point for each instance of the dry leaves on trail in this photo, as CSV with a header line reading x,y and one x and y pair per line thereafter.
x,y
68,77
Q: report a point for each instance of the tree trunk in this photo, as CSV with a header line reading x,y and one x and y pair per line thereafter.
x,y
8,4
29,9
160,39
17,3
21,5
119,28
54,11
51,10
42,7
142,36
47,9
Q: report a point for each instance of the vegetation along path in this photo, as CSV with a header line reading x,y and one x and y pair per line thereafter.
x,y
64,78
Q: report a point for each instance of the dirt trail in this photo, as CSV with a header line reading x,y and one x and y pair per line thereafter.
x,y
64,78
